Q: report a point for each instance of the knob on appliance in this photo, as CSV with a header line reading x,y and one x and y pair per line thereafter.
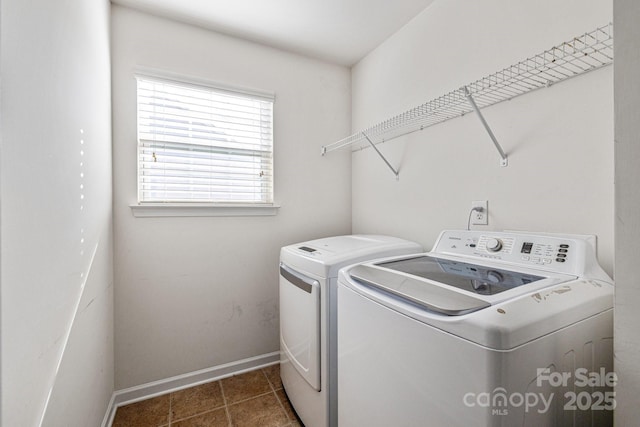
x,y
494,245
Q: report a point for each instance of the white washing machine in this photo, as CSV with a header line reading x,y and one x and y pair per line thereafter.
x,y
487,329
308,280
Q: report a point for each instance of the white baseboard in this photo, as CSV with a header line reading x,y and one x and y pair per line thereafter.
x,y
179,382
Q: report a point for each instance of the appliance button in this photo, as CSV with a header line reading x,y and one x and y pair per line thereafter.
x,y
562,255
560,259
564,246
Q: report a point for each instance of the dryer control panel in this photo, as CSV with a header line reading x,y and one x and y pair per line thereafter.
x,y
563,254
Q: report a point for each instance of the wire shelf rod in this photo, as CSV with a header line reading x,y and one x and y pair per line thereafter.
x,y
395,172
503,156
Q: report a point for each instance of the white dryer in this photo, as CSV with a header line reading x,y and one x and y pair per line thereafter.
x,y
487,329
308,280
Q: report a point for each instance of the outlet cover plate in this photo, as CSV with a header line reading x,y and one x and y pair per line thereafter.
x,y
480,218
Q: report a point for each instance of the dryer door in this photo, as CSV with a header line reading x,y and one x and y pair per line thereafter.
x,y
300,323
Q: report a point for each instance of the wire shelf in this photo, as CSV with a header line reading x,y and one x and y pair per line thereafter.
x,y
582,54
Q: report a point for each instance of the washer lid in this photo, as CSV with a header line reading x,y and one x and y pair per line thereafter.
x,y
449,285
431,296
474,278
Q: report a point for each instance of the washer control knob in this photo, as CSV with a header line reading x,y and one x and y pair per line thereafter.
x,y
494,245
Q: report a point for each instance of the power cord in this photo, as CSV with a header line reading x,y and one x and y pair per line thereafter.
x,y
474,209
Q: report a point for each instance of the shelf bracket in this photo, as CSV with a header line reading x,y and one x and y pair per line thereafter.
x,y
503,156
395,172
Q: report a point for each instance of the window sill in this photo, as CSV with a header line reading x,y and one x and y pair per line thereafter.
x,y
151,210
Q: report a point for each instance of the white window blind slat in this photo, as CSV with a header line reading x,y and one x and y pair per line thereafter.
x,y
202,144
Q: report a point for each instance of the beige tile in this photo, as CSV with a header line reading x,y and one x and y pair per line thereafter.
x,y
217,418
245,386
196,400
148,413
263,411
291,413
273,375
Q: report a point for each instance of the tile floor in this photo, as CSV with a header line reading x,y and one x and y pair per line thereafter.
x,y
252,399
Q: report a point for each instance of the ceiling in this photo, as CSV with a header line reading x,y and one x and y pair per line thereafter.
x,y
339,31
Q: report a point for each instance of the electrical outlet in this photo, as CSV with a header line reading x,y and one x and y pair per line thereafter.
x,y
480,216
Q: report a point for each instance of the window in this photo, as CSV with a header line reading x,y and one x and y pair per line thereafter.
x,y
203,144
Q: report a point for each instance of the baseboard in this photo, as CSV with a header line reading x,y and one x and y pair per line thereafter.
x,y
157,388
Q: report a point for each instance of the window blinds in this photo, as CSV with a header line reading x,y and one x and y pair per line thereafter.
x,y
198,144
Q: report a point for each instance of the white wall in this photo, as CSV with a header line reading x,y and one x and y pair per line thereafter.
x,y
627,225
55,173
559,140
193,293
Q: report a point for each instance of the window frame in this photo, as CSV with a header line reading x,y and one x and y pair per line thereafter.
x,y
198,208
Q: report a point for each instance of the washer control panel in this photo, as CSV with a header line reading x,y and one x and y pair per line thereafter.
x,y
553,252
